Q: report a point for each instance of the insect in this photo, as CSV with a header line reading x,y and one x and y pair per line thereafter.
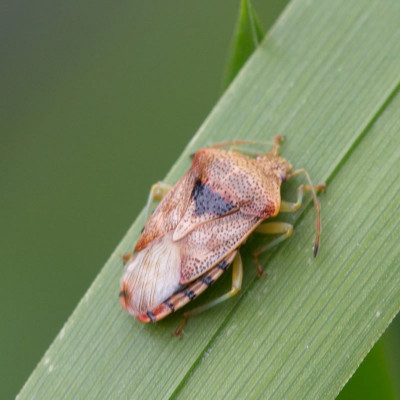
x,y
194,234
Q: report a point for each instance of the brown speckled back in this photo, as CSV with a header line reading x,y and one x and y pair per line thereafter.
x,y
215,206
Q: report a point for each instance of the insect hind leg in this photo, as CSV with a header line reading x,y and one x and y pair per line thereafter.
x,y
237,277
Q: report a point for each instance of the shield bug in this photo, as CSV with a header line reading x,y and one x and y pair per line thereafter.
x,y
194,234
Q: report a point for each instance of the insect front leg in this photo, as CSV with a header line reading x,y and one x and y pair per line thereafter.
x,y
231,143
240,146
237,277
271,228
287,206
157,192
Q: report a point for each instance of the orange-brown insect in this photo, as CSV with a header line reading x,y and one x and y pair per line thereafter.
x,y
195,232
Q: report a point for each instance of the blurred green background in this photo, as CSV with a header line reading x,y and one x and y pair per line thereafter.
x,y
97,101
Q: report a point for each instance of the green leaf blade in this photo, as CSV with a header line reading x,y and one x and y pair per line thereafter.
x,y
322,87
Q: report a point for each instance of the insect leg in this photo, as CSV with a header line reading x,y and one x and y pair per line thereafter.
x,y
231,143
237,277
313,189
126,257
276,146
240,147
157,192
283,228
288,207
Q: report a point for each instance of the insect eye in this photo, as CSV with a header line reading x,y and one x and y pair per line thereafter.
x,y
283,176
